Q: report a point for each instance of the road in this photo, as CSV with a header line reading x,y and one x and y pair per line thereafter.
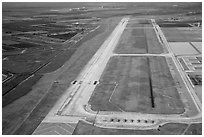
x,y
73,105
139,55
83,87
183,76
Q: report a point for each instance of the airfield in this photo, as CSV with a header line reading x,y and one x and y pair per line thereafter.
x,y
137,80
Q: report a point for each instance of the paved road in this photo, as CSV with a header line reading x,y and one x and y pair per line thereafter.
x,y
73,106
84,85
183,76
80,92
136,55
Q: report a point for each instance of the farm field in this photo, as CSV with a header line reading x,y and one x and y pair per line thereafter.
x,y
127,83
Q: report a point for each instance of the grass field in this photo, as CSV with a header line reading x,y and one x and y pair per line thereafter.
x,y
63,36
132,83
174,25
139,40
32,108
135,22
167,129
19,91
132,41
26,63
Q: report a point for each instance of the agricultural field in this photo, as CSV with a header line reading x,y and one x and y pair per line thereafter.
x,y
137,84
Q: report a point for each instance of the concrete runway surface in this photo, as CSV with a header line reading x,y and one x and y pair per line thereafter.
x,y
73,105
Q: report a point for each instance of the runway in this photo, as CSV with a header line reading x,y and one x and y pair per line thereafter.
x,y
83,86
73,105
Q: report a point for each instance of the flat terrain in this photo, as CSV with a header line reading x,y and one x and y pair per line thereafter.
x,y
182,48
183,34
198,46
167,129
138,38
139,22
127,83
56,81
197,87
34,106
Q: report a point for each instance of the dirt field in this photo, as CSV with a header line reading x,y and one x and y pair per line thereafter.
x,y
167,129
127,83
184,34
140,40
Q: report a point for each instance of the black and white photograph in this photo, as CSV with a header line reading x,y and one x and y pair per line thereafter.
x,y
101,67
